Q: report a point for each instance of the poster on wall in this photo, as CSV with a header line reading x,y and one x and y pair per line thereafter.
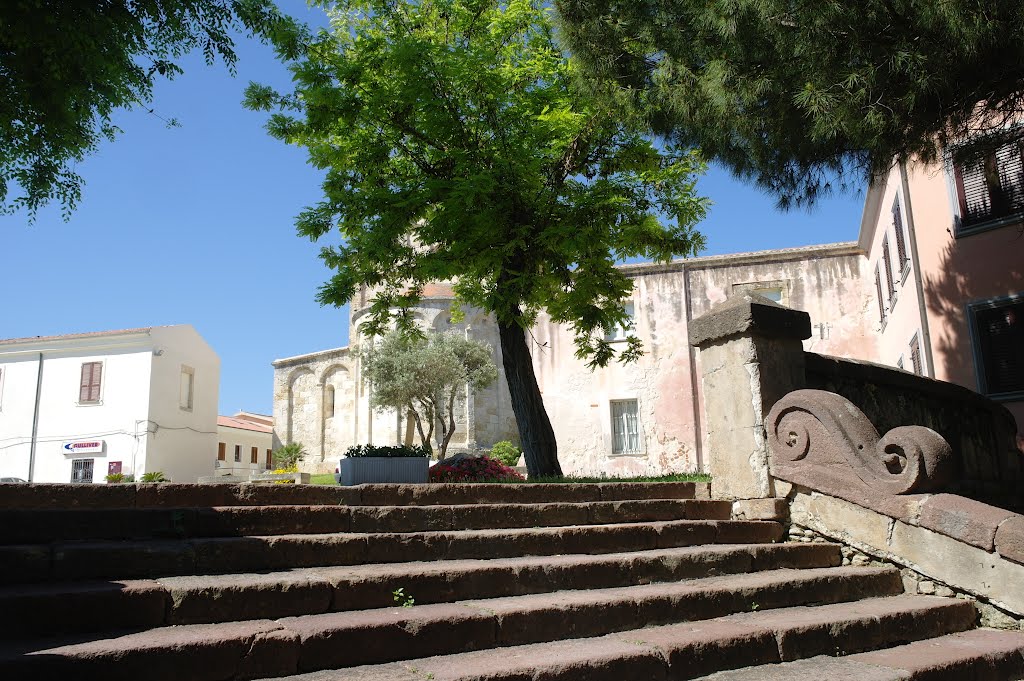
x,y
113,468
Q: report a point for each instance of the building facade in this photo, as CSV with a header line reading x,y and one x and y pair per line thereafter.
x,y
245,444
74,408
934,285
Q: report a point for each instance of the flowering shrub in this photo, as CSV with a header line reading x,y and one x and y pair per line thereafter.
x,y
480,469
287,470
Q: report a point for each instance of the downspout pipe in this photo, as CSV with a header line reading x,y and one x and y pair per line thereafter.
x,y
35,421
926,336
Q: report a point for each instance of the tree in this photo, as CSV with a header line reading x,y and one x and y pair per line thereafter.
x,y
803,96
456,149
426,376
65,67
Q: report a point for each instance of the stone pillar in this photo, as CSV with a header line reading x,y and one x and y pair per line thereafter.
x,y
751,355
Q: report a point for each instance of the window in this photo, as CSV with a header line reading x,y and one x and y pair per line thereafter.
x,y
329,402
89,386
625,427
254,455
238,453
998,330
899,362
270,460
902,260
777,290
991,188
887,263
620,331
81,470
881,297
187,387
915,355
221,451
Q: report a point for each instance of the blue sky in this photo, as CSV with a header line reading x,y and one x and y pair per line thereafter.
x,y
195,225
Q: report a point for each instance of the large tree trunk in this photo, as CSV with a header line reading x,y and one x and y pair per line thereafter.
x,y
535,432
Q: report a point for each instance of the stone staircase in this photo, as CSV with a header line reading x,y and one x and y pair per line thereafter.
x,y
452,582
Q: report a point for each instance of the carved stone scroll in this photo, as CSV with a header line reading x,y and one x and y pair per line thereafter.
x,y
820,439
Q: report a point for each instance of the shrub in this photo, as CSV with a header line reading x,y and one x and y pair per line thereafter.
x,y
289,455
120,477
395,451
481,469
155,476
506,452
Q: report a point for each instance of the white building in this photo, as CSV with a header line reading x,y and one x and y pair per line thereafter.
x,y
244,444
74,408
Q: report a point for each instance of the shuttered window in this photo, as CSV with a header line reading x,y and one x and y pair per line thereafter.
x,y
881,298
89,386
221,451
901,241
625,427
887,261
915,355
992,188
270,460
1000,334
254,455
238,453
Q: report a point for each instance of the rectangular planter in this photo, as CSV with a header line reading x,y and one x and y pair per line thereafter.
x,y
362,469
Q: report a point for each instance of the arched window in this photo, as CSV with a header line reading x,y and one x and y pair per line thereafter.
x,y
329,402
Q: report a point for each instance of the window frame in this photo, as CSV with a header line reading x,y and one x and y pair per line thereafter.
x,y
99,387
916,360
92,471
238,453
958,197
902,239
975,334
254,456
222,451
620,333
639,450
189,404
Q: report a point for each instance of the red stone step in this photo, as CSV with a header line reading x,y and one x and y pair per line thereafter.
x,y
43,526
65,561
981,654
680,651
97,606
43,496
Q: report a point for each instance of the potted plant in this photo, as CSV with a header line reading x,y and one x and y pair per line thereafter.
x,y
373,463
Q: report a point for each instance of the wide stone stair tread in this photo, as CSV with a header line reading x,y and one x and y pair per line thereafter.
x,y
688,650
154,558
41,526
978,655
94,606
348,639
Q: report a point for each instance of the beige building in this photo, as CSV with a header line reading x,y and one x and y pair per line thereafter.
x,y
934,285
244,444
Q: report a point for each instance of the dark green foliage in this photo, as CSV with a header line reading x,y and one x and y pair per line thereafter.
x,y
386,451
67,65
288,456
801,96
154,476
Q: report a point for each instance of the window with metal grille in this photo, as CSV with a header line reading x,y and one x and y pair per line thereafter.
x,y
915,355
238,453
999,349
625,427
221,451
901,241
254,455
90,383
992,187
81,470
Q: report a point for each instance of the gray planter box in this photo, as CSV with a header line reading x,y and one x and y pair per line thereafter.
x,y
362,469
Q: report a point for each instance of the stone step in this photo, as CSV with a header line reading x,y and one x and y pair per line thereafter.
x,y
98,606
269,649
69,561
43,526
44,496
981,654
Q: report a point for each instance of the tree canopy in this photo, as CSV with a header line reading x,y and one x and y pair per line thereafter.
x,y
804,97
66,67
427,378
456,148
